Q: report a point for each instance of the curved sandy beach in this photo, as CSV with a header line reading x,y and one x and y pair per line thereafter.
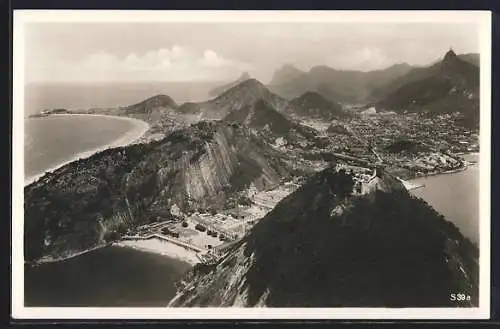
x,y
133,135
161,247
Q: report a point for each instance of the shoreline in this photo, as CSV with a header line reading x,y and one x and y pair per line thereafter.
x,y
466,165
411,184
160,247
50,259
153,245
128,138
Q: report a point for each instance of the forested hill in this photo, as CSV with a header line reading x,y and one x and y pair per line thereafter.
x,y
323,247
91,201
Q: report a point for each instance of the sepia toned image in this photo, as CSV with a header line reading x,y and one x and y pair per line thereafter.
x,y
177,163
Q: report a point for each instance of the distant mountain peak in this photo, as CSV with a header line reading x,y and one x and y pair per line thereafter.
x,y
251,83
289,66
243,93
313,104
450,55
153,103
221,89
248,85
286,73
162,97
399,65
244,76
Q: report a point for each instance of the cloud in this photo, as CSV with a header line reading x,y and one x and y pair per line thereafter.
x,y
364,59
165,64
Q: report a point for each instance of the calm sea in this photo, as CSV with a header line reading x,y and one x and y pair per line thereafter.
x,y
456,196
111,276
49,141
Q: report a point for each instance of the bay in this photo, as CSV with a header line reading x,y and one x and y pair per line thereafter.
x,y
456,196
107,277
54,140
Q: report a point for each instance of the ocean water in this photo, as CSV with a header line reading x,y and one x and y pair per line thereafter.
x,y
39,96
456,196
49,141
107,277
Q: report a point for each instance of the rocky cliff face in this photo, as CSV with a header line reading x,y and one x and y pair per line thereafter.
x,y
90,201
321,247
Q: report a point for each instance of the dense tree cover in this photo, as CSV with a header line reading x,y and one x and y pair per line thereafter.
x,y
385,249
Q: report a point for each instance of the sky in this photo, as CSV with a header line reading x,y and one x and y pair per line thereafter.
x,y
141,52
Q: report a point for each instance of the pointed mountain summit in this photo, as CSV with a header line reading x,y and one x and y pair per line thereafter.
x,y
450,55
243,94
450,85
313,105
286,73
219,90
462,74
158,103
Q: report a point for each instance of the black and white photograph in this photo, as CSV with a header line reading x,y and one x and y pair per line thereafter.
x,y
246,164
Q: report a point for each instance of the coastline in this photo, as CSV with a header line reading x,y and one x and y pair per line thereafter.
x,y
155,246
50,259
410,183
130,137
466,165
163,248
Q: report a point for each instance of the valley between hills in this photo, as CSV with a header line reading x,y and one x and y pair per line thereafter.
x,y
291,194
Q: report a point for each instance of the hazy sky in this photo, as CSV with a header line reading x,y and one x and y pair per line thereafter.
x,y
96,52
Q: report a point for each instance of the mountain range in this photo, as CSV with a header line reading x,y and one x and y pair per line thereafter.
x,y
450,85
344,86
349,86
248,100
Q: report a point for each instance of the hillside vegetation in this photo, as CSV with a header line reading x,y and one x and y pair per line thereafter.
x,y
94,200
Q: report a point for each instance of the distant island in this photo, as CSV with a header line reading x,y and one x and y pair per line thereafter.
x,y
45,113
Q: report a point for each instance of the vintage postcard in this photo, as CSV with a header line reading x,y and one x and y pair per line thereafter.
x,y
276,164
